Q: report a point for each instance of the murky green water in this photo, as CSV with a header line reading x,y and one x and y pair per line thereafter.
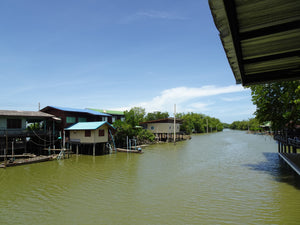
x,y
225,178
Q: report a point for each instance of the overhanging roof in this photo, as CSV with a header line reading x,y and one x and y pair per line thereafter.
x,y
26,114
261,38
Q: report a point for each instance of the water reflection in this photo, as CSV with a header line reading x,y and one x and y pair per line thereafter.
x,y
276,167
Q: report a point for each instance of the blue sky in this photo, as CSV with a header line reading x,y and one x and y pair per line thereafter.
x,y
115,54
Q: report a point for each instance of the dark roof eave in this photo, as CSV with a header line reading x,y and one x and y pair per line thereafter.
x,y
162,121
27,114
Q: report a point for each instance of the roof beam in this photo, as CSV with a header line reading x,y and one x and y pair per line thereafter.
x,y
270,30
272,57
231,13
271,76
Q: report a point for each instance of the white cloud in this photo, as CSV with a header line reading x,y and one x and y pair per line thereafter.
x,y
182,97
160,15
207,99
196,107
153,14
234,99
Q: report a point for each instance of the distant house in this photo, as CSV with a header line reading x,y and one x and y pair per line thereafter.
x,y
95,134
116,115
162,128
70,116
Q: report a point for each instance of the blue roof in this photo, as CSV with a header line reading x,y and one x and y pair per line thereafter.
x,y
80,110
88,125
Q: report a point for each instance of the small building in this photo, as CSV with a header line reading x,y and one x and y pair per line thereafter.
x,y
90,137
163,129
115,115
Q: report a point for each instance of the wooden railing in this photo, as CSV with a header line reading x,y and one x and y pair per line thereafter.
x,y
294,142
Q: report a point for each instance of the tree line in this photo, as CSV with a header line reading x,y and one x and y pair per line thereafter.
x,y
199,123
130,127
251,124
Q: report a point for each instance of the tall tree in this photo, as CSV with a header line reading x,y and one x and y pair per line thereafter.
x,y
128,128
134,116
197,123
278,102
156,116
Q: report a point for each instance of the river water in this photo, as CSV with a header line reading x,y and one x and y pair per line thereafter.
x,y
224,178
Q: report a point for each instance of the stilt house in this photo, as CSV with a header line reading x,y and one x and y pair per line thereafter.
x,y
163,129
14,130
91,137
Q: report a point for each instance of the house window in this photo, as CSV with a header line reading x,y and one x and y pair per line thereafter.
x,y
14,123
101,133
71,119
87,133
81,119
104,119
113,119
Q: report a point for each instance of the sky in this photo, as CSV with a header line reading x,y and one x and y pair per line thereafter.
x,y
116,54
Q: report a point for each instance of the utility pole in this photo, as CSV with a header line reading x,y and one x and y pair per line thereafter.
x,y
206,125
12,150
6,150
174,123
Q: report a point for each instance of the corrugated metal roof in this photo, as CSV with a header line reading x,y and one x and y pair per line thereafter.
x,y
79,110
88,125
112,112
25,113
260,38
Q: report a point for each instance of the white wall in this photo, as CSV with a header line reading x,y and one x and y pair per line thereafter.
x,y
94,138
159,128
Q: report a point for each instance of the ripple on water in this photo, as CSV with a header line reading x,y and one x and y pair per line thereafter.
x,y
224,178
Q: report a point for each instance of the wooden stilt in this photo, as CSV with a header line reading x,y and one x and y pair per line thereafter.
x,y
25,144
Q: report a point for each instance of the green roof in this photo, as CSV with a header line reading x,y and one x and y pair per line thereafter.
x,y
88,125
112,112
